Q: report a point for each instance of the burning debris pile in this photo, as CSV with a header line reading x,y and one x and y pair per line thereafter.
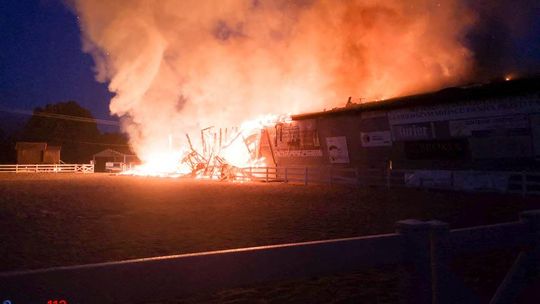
x,y
223,153
209,163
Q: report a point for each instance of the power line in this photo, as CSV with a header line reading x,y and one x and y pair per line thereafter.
x,y
62,116
90,143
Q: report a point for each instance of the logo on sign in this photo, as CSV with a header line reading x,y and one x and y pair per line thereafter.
x,y
413,132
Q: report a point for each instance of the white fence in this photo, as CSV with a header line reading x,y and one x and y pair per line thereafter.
x,y
52,168
524,183
304,175
424,250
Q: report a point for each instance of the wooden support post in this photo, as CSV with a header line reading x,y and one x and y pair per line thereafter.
x,y
267,174
531,219
439,262
306,176
286,178
416,283
447,288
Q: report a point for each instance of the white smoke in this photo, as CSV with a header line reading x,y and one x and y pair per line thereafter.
x,y
178,66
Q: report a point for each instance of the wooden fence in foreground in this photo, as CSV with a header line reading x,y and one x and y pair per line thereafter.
x,y
48,168
422,249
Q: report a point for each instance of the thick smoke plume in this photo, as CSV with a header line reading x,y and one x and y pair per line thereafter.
x,y
179,66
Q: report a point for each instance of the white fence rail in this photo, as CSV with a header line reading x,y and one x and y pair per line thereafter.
x,y
424,250
304,175
524,183
52,168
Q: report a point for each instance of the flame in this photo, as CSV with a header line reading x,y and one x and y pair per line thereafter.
x,y
161,164
240,152
176,67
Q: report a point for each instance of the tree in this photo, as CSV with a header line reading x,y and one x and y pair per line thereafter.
x,y
64,124
116,141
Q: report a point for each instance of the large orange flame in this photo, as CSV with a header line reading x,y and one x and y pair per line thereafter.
x,y
177,67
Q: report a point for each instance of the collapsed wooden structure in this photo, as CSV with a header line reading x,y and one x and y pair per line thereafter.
x,y
209,162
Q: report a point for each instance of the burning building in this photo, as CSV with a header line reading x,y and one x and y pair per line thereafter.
x,y
176,67
486,128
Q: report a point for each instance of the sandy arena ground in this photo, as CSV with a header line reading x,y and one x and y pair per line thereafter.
x,y
64,219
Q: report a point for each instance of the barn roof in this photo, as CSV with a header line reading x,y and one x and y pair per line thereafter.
x,y
498,89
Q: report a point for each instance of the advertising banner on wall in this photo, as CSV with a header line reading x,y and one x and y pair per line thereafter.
x,y
491,147
466,110
440,149
296,139
417,131
376,139
466,127
480,181
429,178
337,150
458,180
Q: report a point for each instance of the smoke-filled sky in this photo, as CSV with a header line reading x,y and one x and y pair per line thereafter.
x,y
177,66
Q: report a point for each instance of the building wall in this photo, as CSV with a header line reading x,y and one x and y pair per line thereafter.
x,y
100,162
51,157
486,134
29,156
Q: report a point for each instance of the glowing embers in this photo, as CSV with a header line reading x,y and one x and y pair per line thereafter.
x,y
222,153
162,164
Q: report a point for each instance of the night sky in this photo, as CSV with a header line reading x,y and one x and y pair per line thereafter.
x,y
41,59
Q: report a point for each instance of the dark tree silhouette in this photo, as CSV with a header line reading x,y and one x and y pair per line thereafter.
x,y
116,141
64,124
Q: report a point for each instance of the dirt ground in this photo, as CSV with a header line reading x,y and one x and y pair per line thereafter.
x,y
64,219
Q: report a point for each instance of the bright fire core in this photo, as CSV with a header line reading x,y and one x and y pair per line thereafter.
x,y
221,155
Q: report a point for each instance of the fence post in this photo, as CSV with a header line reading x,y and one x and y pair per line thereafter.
x,y
439,262
286,178
531,219
306,176
446,287
267,174
416,283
